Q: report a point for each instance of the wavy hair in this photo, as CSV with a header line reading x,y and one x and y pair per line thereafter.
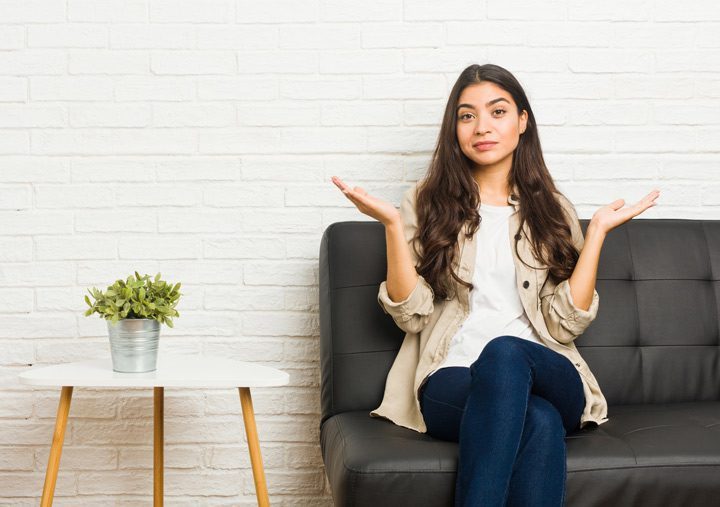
x,y
448,197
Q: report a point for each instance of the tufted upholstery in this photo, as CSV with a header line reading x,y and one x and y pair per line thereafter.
x,y
654,348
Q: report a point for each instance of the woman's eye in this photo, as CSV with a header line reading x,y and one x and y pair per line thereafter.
x,y
464,115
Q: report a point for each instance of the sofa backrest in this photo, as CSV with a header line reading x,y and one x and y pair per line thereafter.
x,y
655,339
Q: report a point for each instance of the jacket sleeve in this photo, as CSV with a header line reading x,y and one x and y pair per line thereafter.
x,y
412,314
564,320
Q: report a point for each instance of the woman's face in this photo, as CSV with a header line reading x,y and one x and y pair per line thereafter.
x,y
486,112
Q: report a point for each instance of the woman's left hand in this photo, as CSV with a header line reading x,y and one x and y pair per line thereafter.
x,y
611,215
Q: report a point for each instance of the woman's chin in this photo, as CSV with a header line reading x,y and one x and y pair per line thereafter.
x,y
486,159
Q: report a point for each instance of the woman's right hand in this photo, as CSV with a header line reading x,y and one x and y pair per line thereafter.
x,y
383,212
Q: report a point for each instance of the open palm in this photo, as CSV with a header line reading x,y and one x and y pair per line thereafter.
x,y
611,215
380,210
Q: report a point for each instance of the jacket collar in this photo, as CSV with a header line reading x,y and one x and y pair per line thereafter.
x,y
514,198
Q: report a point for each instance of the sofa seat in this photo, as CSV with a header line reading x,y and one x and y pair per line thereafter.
x,y
646,455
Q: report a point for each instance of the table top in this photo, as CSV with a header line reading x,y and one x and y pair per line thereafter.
x,y
172,371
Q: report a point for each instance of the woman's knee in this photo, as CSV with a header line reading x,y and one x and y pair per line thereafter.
x,y
499,349
544,420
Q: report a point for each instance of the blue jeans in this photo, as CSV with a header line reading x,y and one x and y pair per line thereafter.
x,y
509,412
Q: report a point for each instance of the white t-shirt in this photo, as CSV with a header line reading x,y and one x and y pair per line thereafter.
x,y
495,306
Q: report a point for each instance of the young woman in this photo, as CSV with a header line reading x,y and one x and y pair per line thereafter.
x,y
490,276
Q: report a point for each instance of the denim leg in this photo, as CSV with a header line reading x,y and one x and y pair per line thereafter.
x,y
442,401
504,376
538,477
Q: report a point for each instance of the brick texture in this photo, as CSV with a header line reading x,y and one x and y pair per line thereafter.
x,y
198,138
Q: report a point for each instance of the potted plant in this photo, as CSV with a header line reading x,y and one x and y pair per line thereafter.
x,y
134,309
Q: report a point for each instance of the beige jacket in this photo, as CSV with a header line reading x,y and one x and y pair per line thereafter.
x,y
430,324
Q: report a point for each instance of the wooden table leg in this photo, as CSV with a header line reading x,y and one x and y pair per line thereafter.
x,y
158,443
56,449
254,447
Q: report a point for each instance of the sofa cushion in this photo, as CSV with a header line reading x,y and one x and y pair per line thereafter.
x,y
645,455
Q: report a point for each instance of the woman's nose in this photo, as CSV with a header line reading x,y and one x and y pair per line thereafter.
x,y
481,128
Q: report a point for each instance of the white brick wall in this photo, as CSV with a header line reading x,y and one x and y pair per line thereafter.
x,y
197,138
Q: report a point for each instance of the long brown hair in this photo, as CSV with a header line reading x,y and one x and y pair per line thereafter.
x,y
448,197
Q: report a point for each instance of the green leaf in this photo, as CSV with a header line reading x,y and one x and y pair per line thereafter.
x,y
139,296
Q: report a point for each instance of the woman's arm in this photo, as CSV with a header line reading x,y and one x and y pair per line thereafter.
x,y
412,301
569,307
401,274
582,281
412,297
565,318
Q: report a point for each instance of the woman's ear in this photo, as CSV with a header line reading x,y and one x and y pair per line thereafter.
x,y
523,121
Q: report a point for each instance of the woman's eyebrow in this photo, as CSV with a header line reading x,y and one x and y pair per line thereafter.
x,y
493,101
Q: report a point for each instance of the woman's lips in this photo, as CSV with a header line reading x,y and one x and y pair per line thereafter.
x,y
484,146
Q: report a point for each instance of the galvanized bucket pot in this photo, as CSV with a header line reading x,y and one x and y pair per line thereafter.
x,y
134,344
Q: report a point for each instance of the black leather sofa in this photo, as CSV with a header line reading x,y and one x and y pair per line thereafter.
x,y
654,348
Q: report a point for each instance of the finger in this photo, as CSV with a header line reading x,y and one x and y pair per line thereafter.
x,y
357,198
652,195
339,183
648,200
617,204
350,197
353,196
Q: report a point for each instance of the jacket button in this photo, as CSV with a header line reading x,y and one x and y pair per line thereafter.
x,y
526,284
517,236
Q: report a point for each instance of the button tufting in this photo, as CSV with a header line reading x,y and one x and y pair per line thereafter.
x,y
518,236
526,284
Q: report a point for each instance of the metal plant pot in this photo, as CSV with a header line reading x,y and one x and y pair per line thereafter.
x,y
134,344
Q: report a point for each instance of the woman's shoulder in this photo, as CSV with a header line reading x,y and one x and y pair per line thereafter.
x,y
566,203
410,195
414,188
408,203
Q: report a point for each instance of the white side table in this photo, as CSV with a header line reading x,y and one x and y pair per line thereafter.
x,y
172,371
